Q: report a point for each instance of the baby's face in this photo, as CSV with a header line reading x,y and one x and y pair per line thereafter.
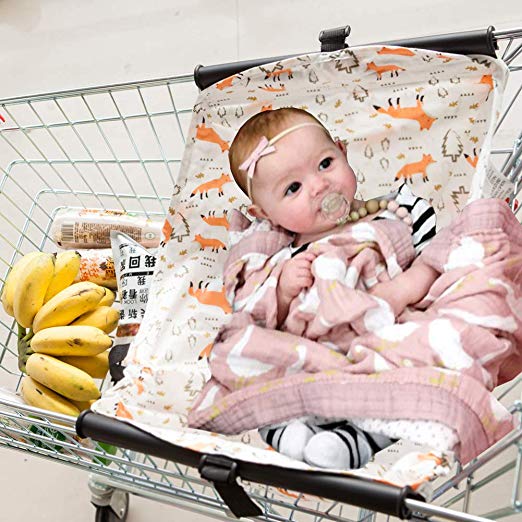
x,y
290,183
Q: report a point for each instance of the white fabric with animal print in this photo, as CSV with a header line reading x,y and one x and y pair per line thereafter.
x,y
405,115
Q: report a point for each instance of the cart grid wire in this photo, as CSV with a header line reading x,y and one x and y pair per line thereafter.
x,y
120,147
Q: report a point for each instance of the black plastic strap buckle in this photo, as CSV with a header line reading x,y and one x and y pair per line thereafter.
x,y
222,472
334,39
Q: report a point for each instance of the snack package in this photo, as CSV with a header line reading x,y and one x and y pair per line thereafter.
x,y
91,228
97,266
134,267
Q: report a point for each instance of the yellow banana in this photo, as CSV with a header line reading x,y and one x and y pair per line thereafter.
x,y
83,405
61,377
66,268
31,288
103,317
70,340
35,394
96,366
108,298
67,305
8,290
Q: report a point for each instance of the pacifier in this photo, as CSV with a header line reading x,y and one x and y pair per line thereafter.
x,y
336,208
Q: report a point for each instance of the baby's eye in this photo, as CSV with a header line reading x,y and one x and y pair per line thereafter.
x,y
325,163
293,188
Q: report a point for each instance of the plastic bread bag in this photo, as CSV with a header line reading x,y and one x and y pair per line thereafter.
x,y
97,266
134,267
90,228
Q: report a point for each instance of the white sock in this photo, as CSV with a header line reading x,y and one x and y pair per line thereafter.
x,y
289,439
343,447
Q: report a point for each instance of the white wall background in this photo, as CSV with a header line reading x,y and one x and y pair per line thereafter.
x,y
48,45
51,45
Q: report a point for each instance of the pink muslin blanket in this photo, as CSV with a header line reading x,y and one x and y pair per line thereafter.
x,y
341,353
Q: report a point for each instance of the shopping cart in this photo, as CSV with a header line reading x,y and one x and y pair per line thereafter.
x,y
119,147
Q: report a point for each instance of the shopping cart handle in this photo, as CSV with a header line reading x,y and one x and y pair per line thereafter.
x,y
207,75
360,492
480,41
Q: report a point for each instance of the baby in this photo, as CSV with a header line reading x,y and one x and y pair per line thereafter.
x,y
289,166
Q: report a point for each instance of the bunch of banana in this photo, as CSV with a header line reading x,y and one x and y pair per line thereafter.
x,y
68,305
31,286
65,379
66,269
40,396
103,317
66,345
64,361
80,340
35,279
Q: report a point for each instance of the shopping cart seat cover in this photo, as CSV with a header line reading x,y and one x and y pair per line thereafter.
x,y
411,115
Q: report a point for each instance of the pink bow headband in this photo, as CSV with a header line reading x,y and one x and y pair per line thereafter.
x,y
265,147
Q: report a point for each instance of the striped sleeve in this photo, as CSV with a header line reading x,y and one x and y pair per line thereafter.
x,y
422,214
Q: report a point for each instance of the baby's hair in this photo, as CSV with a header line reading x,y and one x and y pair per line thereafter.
x,y
266,123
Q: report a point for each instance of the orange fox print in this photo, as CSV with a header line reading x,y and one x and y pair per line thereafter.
x,y
210,297
472,160
431,456
216,221
268,88
266,108
487,79
379,69
226,83
205,353
166,231
409,113
207,242
122,411
418,167
139,385
444,57
400,51
205,133
216,183
276,73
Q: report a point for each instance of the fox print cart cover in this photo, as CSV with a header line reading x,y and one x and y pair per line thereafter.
x,y
406,115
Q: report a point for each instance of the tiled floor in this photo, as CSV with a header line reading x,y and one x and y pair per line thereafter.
x,y
64,44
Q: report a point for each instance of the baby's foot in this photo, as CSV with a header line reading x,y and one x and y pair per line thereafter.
x,y
345,447
290,440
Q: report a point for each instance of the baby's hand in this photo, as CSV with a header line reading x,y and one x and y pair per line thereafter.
x,y
296,274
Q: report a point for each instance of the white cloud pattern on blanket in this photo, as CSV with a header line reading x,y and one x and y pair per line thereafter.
x,y
515,304
397,332
508,324
470,252
298,365
330,268
250,302
379,317
246,366
445,341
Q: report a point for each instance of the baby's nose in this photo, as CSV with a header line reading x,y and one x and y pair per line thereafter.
x,y
319,184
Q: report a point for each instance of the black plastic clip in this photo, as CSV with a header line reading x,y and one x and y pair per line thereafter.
x,y
334,39
222,472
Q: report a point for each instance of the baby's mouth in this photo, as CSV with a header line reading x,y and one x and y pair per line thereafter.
x,y
335,207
